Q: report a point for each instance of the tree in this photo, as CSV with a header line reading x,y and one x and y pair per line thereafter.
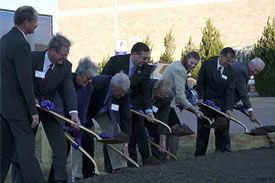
x,y
211,44
190,46
170,47
102,64
265,49
148,42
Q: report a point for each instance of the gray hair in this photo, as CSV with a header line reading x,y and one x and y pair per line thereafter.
x,y
24,13
259,63
121,80
163,85
86,66
58,41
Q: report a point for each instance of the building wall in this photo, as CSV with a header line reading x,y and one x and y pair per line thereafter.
x,y
90,23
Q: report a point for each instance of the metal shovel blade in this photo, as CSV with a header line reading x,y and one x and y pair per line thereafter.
x,y
182,131
257,132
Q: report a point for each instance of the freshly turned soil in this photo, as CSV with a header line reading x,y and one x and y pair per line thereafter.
x,y
250,166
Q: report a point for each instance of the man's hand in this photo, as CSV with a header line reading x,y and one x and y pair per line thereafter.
x,y
252,116
162,143
199,114
125,150
200,101
74,117
35,120
150,116
229,113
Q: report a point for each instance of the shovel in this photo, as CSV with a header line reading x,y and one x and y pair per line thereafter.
x,y
70,138
105,141
236,121
261,129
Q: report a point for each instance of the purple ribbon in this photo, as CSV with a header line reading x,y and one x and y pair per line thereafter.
x,y
241,108
47,104
50,106
105,135
212,104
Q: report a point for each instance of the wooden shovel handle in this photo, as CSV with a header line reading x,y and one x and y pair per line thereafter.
x,y
154,119
225,115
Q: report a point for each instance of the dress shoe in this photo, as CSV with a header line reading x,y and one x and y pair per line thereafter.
x,y
151,161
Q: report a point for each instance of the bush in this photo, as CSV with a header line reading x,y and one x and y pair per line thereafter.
x,y
148,42
102,64
169,43
211,44
265,49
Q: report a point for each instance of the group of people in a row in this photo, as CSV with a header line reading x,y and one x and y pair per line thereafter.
x,y
45,78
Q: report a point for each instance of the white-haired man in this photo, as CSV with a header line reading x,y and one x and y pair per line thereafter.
x,y
243,71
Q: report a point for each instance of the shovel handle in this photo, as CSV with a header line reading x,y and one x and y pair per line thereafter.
x,y
165,151
83,151
225,115
154,119
69,121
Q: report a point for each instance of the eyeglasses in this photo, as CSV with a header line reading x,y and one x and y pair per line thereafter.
x,y
63,55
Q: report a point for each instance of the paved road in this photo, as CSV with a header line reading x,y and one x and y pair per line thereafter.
x,y
264,108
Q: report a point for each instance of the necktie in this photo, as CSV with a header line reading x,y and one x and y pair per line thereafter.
x,y
132,71
220,70
47,76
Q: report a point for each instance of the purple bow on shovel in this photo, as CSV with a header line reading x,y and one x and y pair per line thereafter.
x,y
50,106
212,104
105,135
241,108
77,135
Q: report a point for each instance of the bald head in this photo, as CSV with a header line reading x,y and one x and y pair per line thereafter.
x,y
256,65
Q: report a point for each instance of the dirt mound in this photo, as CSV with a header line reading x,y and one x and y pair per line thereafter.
x,y
251,166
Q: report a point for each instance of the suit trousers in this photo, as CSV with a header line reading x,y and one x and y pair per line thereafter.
x,y
222,138
17,138
138,137
58,143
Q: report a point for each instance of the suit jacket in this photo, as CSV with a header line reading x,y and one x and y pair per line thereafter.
x,y
101,86
17,94
211,85
59,88
176,74
241,77
162,106
139,81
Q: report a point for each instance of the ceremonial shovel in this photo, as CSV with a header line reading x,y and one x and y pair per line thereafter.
x,y
225,115
105,141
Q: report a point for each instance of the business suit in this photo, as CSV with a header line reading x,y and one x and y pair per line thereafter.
x,y
176,74
60,90
241,75
109,118
212,85
140,100
161,109
17,106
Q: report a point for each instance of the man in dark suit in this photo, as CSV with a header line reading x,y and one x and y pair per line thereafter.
x,y
216,83
136,67
160,92
18,110
242,73
110,106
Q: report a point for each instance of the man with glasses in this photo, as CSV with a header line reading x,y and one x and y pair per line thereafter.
x,y
136,67
216,83
18,111
110,107
53,82
242,72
